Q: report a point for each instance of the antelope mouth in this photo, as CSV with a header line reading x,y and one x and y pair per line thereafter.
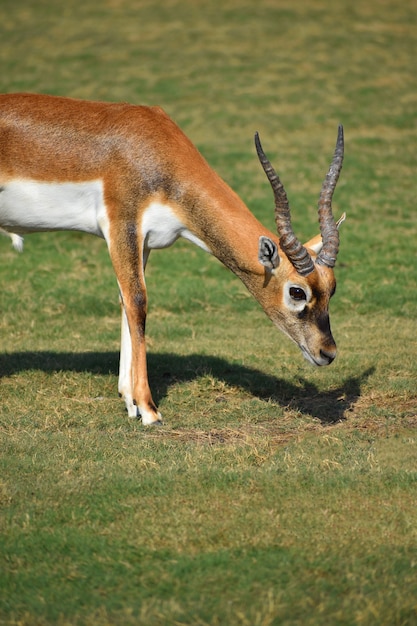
x,y
325,358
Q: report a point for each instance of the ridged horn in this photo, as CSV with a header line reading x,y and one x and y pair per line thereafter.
x,y
328,226
294,250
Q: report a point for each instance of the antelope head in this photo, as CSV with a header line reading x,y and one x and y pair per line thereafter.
x,y
303,274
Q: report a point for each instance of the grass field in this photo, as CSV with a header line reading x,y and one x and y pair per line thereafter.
x,y
275,494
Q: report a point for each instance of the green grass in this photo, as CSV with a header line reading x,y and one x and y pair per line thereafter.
x,y
242,528
275,494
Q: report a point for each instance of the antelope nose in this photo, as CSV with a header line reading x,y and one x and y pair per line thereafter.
x,y
329,355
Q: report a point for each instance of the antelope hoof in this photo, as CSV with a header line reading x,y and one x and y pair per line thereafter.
x,y
150,418
158,422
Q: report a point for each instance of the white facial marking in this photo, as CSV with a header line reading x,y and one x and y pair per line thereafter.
x,y
31,206
161,228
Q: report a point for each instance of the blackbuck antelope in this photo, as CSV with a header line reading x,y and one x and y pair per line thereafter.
x,y
128,174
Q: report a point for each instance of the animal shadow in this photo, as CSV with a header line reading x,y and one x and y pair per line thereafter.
x,y
167,369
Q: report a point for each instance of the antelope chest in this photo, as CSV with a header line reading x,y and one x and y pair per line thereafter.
x,y
161,227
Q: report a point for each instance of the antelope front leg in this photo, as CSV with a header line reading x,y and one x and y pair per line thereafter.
x,y
133,378
128,261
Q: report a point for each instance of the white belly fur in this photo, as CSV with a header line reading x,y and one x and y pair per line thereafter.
x,y
161,228
31,206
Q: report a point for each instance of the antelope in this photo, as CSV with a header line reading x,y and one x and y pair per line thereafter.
x,y
129,175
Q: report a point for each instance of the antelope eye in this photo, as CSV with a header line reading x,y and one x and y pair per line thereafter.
x,y
297,293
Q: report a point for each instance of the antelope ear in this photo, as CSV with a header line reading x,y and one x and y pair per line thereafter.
x,y
341,220
268,253
316,243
